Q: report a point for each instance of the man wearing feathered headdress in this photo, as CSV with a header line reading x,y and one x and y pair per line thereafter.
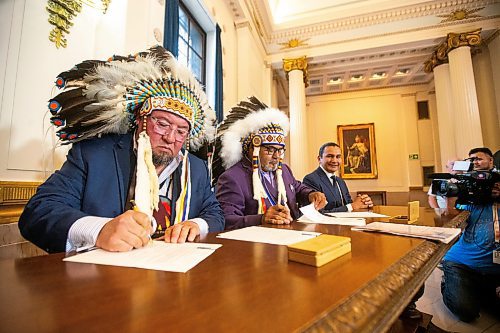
x,y
257,187
132,122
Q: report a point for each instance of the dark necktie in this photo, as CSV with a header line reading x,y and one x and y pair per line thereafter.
x,y
339,200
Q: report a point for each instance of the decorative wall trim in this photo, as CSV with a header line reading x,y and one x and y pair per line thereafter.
x,y
14,193
13,197
413,94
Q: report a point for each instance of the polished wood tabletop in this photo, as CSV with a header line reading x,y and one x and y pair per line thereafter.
x,y
242,287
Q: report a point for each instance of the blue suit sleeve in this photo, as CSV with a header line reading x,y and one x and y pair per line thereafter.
x,y
56,205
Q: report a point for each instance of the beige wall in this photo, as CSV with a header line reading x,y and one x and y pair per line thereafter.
x,y
223,16
29,64
394,113
28,150
243,57
494,53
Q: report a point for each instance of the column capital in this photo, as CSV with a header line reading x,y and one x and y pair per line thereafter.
x,y
471,38
453,41
434,61
290,64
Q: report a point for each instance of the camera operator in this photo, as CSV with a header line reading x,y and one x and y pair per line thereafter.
x,y
472,266
439,201
482,158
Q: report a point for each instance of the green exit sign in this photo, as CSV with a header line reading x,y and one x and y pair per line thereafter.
x,y
413,156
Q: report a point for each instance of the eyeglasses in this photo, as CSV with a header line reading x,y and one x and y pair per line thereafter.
x,y
163,127
272,150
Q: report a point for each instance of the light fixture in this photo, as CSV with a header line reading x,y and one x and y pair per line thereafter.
x,y
357,77
334,80
378,76
402,71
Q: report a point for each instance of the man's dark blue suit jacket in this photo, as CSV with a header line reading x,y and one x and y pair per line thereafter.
x,y
319,181
94,181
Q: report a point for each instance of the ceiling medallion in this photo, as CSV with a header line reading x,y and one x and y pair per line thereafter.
x,y
62,13
294,42
460,14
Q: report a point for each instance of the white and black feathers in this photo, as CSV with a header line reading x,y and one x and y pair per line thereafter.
x,y
103,97
243,120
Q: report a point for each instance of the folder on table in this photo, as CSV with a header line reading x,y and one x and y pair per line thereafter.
x,y
319,250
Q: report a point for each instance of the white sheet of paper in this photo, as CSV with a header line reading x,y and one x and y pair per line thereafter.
x,y
444,235
356,214
353,222
269,235
311,215
158,256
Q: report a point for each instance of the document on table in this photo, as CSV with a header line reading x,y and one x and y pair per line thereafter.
x,y
158,256
311,215
444,235
268,235
356,214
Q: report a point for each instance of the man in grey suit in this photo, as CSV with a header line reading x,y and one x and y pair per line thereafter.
x,y
323,179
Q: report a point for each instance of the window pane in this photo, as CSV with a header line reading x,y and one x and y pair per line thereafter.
x,y
192,39
183,24
196,65
196,40
183,52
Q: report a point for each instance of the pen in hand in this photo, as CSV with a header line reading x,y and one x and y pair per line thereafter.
x,y
136,209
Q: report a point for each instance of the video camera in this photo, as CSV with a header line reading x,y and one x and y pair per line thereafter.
x,y
470,187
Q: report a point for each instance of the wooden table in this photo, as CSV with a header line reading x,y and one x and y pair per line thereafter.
x,y
242,287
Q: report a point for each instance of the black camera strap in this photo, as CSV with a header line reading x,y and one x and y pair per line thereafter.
x,y
496,223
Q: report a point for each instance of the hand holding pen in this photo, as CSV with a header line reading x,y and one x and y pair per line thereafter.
x,y
125,232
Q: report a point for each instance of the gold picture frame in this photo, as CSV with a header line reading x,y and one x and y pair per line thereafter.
x,y
357,143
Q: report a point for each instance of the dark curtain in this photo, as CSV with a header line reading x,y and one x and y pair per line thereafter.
x,y
219,88
171,37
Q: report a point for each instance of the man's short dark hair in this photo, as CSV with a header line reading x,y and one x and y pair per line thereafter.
x,y
328,144
484,150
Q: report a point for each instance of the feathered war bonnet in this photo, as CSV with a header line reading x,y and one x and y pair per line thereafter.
x,y
252,123
104,97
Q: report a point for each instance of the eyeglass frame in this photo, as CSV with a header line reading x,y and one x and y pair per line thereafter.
x,y
268,149
167,129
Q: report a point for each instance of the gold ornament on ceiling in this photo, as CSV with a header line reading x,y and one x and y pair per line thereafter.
x,y
294,42
460,14
63,12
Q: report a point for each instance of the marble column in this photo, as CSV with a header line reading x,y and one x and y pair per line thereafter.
x,y
444,103
461,110
296,70
466,110
494,51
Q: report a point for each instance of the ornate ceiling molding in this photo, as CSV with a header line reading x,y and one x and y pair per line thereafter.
x,y
355,22
395,33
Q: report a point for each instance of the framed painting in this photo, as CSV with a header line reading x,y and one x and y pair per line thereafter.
x,y
357,143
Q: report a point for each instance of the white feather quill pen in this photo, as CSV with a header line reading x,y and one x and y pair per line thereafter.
x,y
147,188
